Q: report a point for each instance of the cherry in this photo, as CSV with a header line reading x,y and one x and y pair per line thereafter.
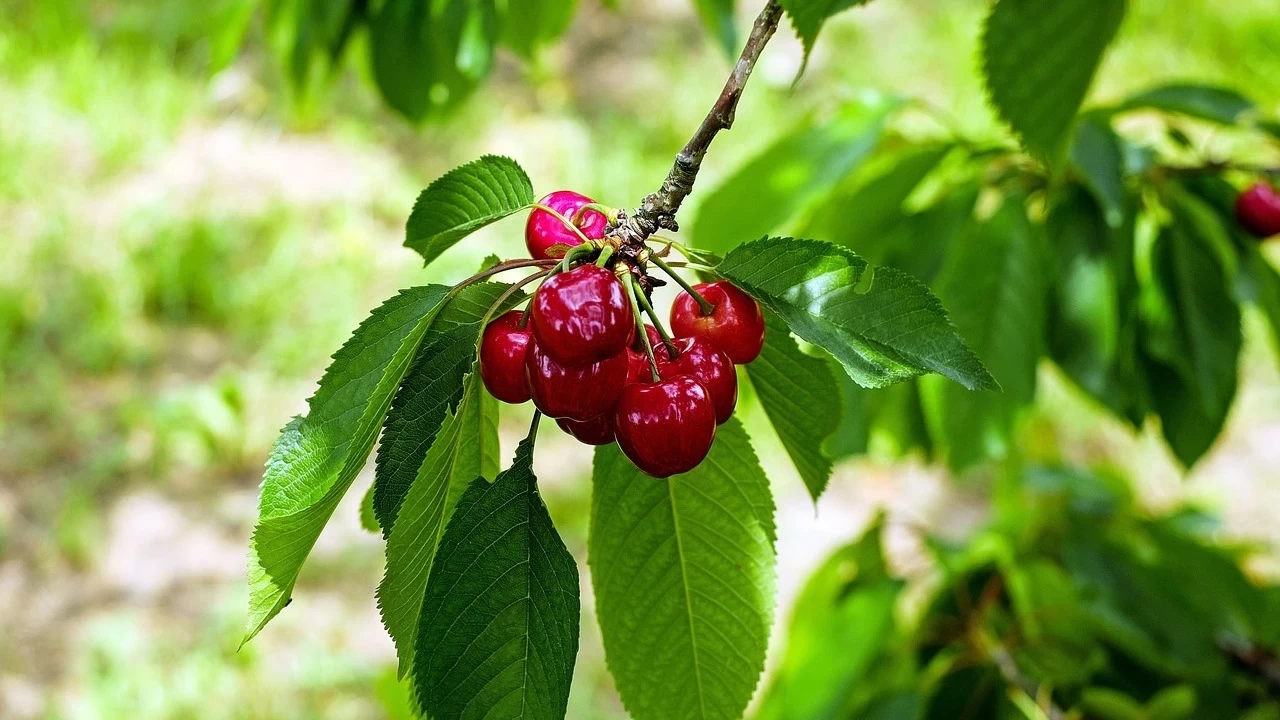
x,y
543,230
581,316
596,431
655,339
577,393
665,427
736,325
709,366
638,367
502,351
1258,210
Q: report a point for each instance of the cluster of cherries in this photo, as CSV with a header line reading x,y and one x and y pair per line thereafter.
x,y
1258,210
583,355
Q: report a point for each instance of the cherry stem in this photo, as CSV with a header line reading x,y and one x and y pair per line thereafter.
x,y
567,222
499,268
707,308
644,336
605,253
573,254
533,427
602,209
672,352
502,299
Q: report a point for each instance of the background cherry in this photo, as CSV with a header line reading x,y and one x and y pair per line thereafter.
x,y
655,339
577,393
1258,210
665,427
582,316
502,353
709,366
544,230
736,326
638,367
597,431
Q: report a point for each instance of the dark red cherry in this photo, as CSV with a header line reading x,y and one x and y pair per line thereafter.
x,y
502,352
709,366
1258,210
655,340
544,230
665,427
582,316
638,367
736,325
577,393
596,431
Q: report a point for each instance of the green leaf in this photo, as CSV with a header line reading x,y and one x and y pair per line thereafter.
x,y
807,17
718,16
1263,289
368,519
882,325
530,24
1172,703
790,174
432,386
1216,104
1039,60
1096,154
1110,704
401,59
464,200
317,456
499,630
995,289
465,448
683,571
801,398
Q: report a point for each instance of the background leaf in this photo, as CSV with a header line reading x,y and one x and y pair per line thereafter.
x,y
790,174
530,24
807,17
893,330
683,571
464,200
1039,60
1216,104
718,17
499,632
317,456
800,395
1097,156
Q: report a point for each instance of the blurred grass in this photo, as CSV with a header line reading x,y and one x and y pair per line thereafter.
x,y
184,244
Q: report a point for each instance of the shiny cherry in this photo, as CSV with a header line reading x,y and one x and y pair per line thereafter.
x,y
736,325
665,427
577,393
1258,210
638,367
582,316
655,339
596,431
709,366
543,230
502,352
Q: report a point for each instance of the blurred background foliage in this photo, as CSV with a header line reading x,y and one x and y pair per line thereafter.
x,y
197,208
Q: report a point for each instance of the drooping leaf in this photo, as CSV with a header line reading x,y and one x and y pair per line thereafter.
x,y
801,398
718,17
317,456
402,63
790,174
808,16
1097,156
432,386
530,24
499,629
465,449
882,325
464,200
994,287
683,571
1216,104
1039,60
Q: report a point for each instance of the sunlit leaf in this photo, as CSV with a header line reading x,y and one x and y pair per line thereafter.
x,y
464,200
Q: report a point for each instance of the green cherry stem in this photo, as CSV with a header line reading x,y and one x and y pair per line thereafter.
x,y
707,308
657,323
573,254
605,210
499,268
605,253
644,337
567,223
502,299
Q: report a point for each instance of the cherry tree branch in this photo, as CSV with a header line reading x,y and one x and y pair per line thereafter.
x,y
658,209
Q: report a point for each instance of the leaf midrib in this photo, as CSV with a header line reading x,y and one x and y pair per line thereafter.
x,y
688,600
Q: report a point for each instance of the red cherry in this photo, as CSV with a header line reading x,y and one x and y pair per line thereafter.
x,y
665,427
581,316
736,325
638,367
544,230
502,352
596,431
577,393
655,339
709,366
1258,210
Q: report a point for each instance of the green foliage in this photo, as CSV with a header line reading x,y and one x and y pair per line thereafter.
x,y
499,628
1220,105
718,17
464,200
881,324
1039,60
808,16
800,395
683,571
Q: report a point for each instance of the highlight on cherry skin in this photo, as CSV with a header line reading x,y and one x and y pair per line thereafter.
x,y
543,230
735,325
1258,210
582,316
666,427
